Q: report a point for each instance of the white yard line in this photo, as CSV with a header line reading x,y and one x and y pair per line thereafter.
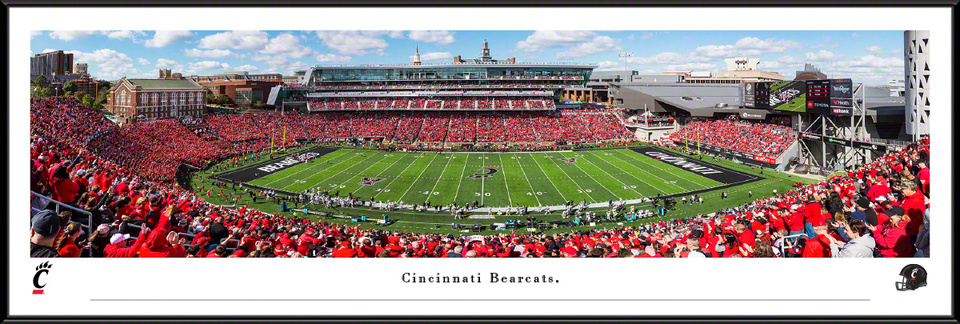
x,y
460,181
664,170
440,177
341,171
399,174
533,191
418,178
548,178
610,175
571,179
499,155
309,168
368,168
595,179
641,180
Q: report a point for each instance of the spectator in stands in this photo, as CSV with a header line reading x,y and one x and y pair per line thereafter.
x,y
43,232
67,244
891,235
860,245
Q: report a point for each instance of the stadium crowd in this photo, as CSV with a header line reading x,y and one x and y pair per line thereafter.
x,y
440,103
756,138
117,175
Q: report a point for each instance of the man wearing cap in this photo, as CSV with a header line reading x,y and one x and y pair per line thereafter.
x,y
118,245
865,212
43,231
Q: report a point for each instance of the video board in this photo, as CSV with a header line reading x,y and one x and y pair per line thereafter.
x,y
783,95
827,96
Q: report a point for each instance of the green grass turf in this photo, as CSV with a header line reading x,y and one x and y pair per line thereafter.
x,y
527,179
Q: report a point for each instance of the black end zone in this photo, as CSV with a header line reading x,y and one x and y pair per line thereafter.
x,y
695,166
264,169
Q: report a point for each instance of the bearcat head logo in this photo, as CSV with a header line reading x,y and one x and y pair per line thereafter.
x,y
484,172
569,160
370,181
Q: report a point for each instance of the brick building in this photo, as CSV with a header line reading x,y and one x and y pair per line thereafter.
x,y
132,99
244,92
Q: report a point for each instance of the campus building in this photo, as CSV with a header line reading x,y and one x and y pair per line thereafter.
x,y
134,99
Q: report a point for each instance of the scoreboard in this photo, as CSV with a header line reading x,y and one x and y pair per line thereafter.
x,y
830,97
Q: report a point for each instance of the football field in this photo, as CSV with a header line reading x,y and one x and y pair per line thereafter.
x,y
492,179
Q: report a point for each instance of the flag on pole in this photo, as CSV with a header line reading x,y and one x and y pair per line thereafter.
x,y
271,142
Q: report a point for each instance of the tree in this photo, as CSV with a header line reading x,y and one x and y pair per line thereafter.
x,y
79,95
45,93
103,85
223,99
87,100
41,81
70,87
211,99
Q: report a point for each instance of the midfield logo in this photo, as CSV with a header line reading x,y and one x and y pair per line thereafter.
x,y
484,172
570,160
370,181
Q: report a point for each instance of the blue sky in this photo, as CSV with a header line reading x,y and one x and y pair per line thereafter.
x,y
873,57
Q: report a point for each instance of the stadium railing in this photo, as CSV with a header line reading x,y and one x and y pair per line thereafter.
x,y
43,201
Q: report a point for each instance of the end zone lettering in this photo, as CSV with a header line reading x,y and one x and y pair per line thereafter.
x,y
684,163
290,160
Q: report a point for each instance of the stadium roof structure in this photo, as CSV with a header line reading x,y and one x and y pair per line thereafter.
x,y
690,97
160,84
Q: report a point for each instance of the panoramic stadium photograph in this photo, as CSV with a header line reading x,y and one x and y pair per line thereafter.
x,y
479,144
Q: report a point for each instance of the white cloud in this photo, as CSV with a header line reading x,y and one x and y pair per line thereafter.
x,y
554,38
875,50
208,65
790,60
246,67
434,56
690,67
609,65
331,58
106,63
897,52
34,33
441,37
48,50
162,38
288,45
748,46
822,56
237,39
396,34
121,34
826,46
668,58
165,63
69,35
646,35
872,61
214,53
599,44
352,42
855,35
143,61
